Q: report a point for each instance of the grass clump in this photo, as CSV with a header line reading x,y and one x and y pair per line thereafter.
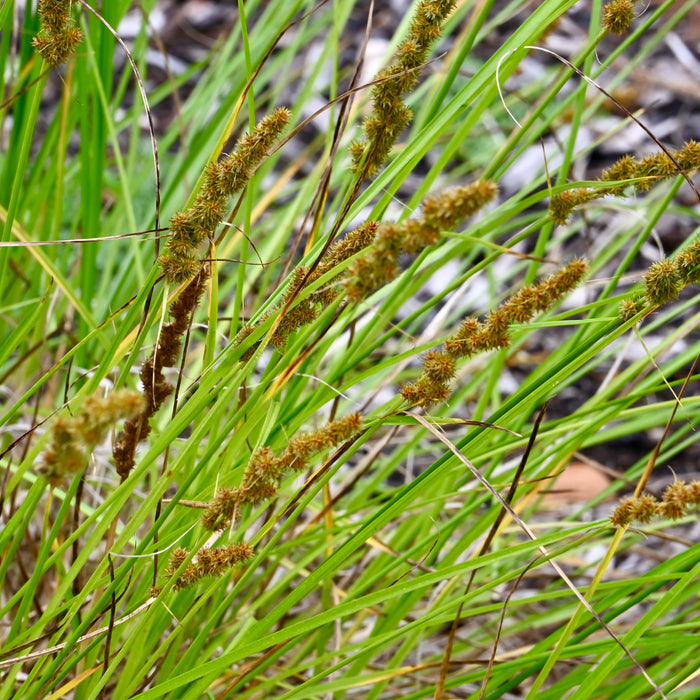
x,y
308,440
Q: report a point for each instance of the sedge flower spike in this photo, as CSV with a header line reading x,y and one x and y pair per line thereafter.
x,y
618,16
58,37
440,212
433,385
664,281
390,115
376,249
156,388
677,499
265,469
73,438
181,265
209,561
642,174
221,180
304,312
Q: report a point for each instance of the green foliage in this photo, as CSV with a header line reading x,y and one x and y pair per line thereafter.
x,y
220,356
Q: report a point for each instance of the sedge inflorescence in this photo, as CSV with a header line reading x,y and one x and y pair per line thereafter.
x,y
73,438
390,115
664,281
58,36
677,499
259,484
156,388
189,228
376,249
642,174
208,561
440,212
473,336
618,15
180,264
295,314
265,469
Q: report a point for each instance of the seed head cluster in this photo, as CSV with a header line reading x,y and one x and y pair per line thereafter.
x,y
156,388
377,248
181,265
295,315
58,36
675,502
665,280
73,438
473,336
265,469
208,561
189,228
390,115
642,174
618,16
440,212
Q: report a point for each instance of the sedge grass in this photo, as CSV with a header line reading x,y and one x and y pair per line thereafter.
x,y
363,561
